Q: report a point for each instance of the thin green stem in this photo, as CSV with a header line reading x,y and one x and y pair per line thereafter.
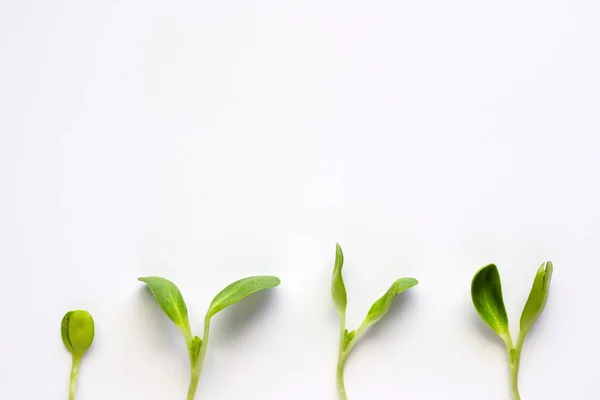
x,y
514,355
74,375
187,334
194,379
340,381
342,356
344,353
197,367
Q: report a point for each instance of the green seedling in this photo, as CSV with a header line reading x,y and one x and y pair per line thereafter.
x,y
376,312
486,292
77,330
171,301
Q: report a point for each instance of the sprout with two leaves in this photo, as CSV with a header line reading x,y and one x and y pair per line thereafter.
x,y
486,292
77,330
377,311
171,301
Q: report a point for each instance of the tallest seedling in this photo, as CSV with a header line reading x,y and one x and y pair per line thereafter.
x,y
486,292
377,311
171,301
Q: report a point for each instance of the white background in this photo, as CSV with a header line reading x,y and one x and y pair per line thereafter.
x,y
205,141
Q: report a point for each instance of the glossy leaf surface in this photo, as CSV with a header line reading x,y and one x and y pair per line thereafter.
x,y
486,293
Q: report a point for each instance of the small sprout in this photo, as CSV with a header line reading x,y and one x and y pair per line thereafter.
x,y
77,330
486,293
171,301
349,338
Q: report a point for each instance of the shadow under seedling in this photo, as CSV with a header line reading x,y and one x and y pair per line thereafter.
x,y
376,312
242,315
171,301
486,293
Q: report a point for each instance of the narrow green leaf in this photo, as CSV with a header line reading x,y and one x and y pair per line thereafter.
x,y
195,350
240,289
171,301
486,293
338,289
348,336
77,330
537,297
383,304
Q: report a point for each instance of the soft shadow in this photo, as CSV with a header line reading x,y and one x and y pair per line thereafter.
x,y
394,318
484,330
158,326
237,317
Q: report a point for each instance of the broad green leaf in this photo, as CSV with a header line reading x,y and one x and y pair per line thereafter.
x,y
486,293
381,306
195,350
537,297
77,330
338,289
171,301
240,289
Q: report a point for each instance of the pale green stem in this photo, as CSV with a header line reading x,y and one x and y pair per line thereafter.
x,y
344,353
340,381
514,355
341,360
187,334
195,377
74,374
197,368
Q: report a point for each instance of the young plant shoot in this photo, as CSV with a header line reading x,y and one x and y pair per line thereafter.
x,y
486,292
349,338
77,330
171,301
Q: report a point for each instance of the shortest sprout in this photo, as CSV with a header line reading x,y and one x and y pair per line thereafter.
x,y
77,330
